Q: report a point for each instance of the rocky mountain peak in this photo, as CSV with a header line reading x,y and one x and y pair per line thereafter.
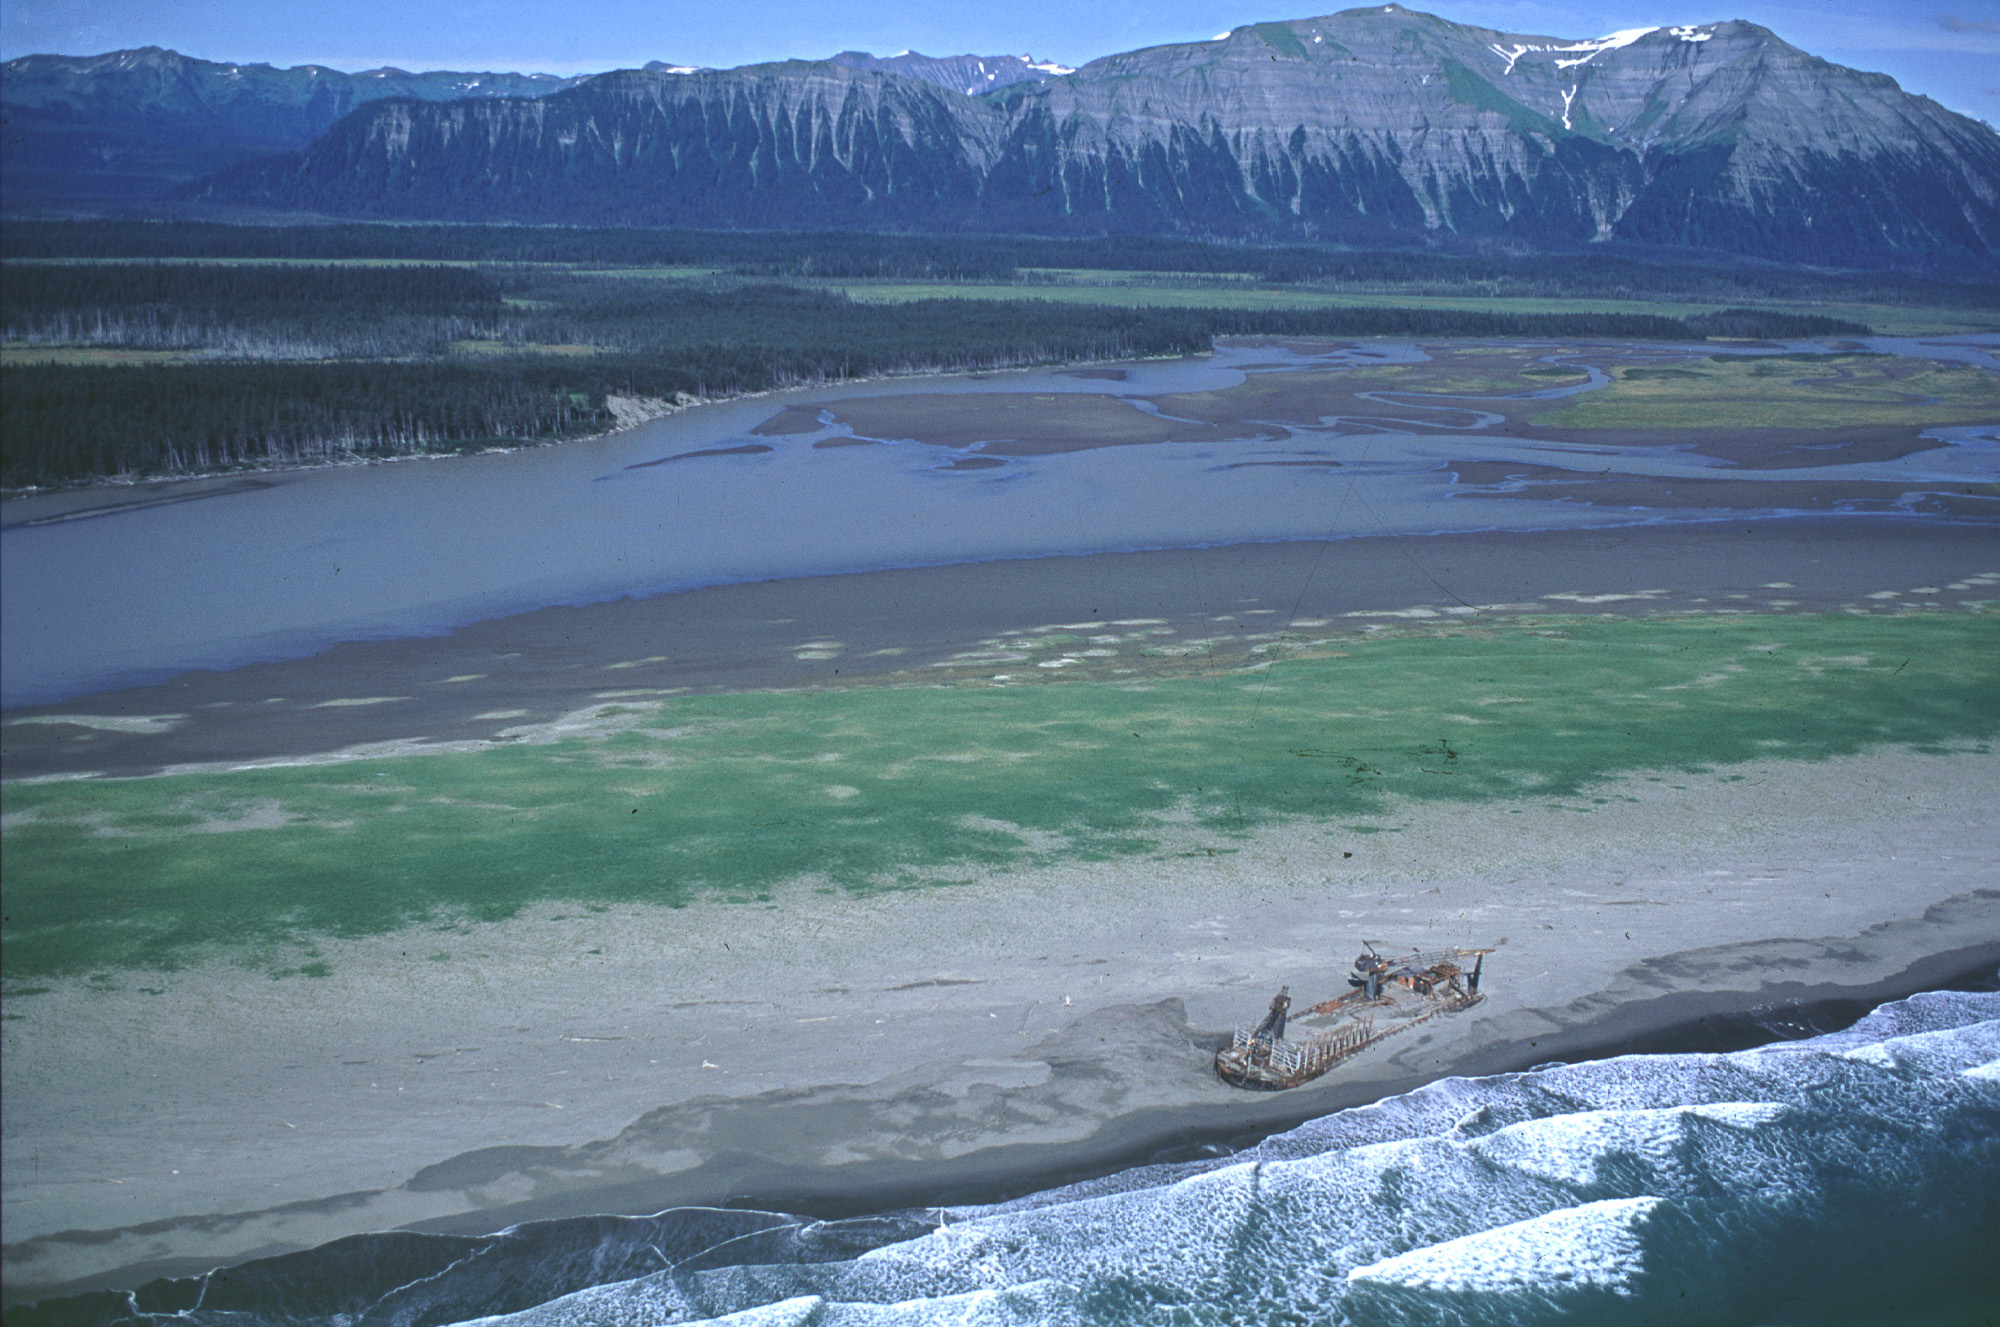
x,y
972,75
1373,125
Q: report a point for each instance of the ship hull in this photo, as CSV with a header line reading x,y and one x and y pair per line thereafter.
x,y
1258,1065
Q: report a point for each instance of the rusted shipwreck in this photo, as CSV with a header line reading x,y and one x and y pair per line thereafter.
x,y
1389,994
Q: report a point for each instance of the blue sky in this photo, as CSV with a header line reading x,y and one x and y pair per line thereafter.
x,y
1946,49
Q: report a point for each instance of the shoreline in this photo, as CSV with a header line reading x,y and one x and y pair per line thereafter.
x,y
1676,1022
641,408
793,1059
1679,1023
931,625
353,460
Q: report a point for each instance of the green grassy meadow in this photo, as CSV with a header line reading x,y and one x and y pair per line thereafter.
x,y
1140,291
20,355
1212,295
914,784
1785,391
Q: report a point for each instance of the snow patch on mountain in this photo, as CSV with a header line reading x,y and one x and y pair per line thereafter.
x,y
1592,49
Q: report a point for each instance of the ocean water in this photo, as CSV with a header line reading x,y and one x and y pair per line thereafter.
x,y
1853,1177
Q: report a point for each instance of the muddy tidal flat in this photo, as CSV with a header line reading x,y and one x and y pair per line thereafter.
x,y
892,794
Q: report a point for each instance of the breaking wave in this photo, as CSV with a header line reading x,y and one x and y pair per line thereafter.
x,y
1850,1178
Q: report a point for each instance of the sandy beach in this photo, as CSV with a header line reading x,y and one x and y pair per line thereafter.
x,y
838,1054
811,1044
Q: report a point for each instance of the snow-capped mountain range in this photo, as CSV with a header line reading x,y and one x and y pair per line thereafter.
x,y
1370,126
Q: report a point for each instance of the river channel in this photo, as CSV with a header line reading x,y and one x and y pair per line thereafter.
x,y
121,586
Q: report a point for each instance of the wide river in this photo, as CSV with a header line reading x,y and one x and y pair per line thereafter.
x,y
108,588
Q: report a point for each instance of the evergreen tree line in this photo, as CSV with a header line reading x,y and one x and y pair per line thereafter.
x,y
854,254
1766,325
282,333
250,311
65,424
379,319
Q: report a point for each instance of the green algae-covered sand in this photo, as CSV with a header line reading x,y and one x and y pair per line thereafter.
x,y
910,785
1795,391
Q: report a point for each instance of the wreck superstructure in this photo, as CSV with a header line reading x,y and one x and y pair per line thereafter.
x,y
1389,994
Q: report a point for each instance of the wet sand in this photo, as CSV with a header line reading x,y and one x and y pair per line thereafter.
x,y
1014,423
1766,448
1520,481
830,1053
833,1054
477,681
1495,391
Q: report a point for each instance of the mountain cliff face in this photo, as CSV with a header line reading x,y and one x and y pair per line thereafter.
x,y
816,142
1377,125
1378,120
132,123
